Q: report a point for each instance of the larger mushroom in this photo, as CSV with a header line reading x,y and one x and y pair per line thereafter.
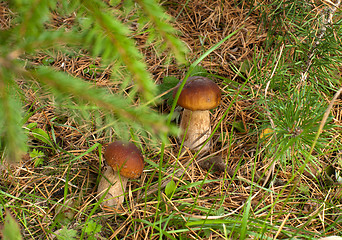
x,y
198,96
124,161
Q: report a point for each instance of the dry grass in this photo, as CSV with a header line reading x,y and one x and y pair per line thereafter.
x,y
201,25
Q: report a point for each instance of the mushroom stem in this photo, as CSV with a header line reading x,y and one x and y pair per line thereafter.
x,y
196,125
117,184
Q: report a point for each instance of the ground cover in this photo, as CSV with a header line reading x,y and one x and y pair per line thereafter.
x,y
273,171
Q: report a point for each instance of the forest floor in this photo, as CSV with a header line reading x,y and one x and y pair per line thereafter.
x,y
235,190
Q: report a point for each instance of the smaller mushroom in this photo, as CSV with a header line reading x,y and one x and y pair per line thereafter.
x,y
198,96
124,161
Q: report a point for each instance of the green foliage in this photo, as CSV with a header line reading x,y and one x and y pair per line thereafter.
x,y
170,188
239,126
39,134
91,229
297,121
309,38
65,213
244,220
304,189
199,71
37,157
169,82
67,234
300,77
47,61
11,230
97,30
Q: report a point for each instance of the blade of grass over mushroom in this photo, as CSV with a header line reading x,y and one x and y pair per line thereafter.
x,y
192,66
224,114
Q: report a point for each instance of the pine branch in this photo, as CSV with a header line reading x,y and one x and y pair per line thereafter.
x,y
327,16
97,31
10,117
113,41
80,89
33,16
158,17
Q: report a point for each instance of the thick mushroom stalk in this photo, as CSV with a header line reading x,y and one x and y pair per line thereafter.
x,y
198,95
116,184
125,161
196,125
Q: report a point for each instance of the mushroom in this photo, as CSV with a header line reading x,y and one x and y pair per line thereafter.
x,y
125,161
198,96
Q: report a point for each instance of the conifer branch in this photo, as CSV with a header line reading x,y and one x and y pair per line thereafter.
x,y
97,31
34,15
327,16
156,14
80,89
117,34
10,115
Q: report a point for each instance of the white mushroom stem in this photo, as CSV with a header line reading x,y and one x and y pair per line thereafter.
x,y
196,125
117,186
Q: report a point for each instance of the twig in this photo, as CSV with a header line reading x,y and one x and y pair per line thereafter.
x,y
325,118
268,84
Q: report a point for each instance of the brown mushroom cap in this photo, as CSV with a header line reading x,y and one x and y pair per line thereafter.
x,y
199,93
125,158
